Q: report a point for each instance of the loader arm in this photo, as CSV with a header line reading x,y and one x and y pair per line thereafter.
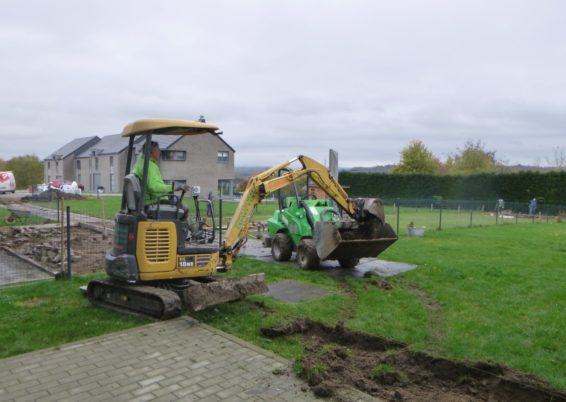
x,y
265,183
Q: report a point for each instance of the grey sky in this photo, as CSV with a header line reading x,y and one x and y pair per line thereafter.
x,y
289,77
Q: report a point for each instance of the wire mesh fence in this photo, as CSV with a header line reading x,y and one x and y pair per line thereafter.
x,y
434,214
39,236
43,240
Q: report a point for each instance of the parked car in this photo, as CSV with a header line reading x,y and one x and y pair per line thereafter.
x,y
7,182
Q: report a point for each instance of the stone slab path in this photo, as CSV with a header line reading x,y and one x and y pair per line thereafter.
x,y
175,360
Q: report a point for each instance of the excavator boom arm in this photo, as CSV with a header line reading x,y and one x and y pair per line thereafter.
x,y
264,183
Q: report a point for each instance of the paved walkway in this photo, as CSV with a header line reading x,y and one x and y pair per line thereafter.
x,y
172,360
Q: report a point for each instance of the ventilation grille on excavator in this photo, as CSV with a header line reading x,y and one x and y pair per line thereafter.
x,y
157,242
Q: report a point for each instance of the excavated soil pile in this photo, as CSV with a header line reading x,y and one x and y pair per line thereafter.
x,y
43,244
335,358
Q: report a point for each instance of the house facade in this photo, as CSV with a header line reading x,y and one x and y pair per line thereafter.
x,y
59,165
102,166
198,160
206,161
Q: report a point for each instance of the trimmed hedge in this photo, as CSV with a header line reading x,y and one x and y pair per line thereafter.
x,y
520,186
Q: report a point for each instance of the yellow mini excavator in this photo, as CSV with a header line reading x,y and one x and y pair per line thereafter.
x,y
155,268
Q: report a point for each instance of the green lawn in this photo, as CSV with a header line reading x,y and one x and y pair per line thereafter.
x,y
107,206
24,220
489,293
433,219
101,207
485,293
49,313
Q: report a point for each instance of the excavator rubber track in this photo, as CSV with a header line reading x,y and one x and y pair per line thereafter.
x,y
146,301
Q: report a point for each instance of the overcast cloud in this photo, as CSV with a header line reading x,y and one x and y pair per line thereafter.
x,y
283,78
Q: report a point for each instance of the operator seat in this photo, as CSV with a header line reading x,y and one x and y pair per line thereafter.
x,y
132,191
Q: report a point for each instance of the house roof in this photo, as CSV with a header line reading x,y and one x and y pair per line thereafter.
x,y
74,146
222,139
108,145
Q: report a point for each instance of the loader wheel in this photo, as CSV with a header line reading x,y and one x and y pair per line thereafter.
x,y
348,262
281,247
307,257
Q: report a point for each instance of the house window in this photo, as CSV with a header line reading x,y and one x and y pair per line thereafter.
x,y
169,155
48,165
111,161
79,179
222,157
56,165
224,188
96,163
78,164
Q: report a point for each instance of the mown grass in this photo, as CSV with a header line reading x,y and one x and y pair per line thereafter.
x,y
432,219
100,207
483,293
499,293
24,220
490,293
49,313
107,206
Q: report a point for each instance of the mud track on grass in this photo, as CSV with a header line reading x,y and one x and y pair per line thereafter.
x,y
336,358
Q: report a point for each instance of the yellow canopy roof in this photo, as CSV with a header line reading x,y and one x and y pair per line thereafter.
x,y
167,126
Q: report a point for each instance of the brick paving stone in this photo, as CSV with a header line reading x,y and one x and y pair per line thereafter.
x,y
178,359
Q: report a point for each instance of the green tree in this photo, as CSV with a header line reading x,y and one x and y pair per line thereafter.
x,y
3,165
27,169
416,158
472,159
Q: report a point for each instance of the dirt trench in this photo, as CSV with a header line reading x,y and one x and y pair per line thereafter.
x,y
335,357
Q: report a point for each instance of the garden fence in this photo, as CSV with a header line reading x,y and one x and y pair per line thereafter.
x,y
37,238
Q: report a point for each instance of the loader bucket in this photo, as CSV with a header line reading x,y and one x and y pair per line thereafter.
x,y
201,295
334,242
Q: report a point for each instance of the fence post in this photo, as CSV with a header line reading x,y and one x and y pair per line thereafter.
x,y
516,218
496,216
440,216
58,202
62,239
220,221
471,213
69,242
398,209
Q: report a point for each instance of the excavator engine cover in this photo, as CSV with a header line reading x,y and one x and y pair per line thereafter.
x,y
368,236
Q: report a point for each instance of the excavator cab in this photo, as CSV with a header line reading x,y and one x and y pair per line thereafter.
x,y
163,257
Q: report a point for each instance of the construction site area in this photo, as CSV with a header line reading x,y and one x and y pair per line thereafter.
x,y
337,363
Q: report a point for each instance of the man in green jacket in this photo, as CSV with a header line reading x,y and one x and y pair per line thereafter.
x,y
156,187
